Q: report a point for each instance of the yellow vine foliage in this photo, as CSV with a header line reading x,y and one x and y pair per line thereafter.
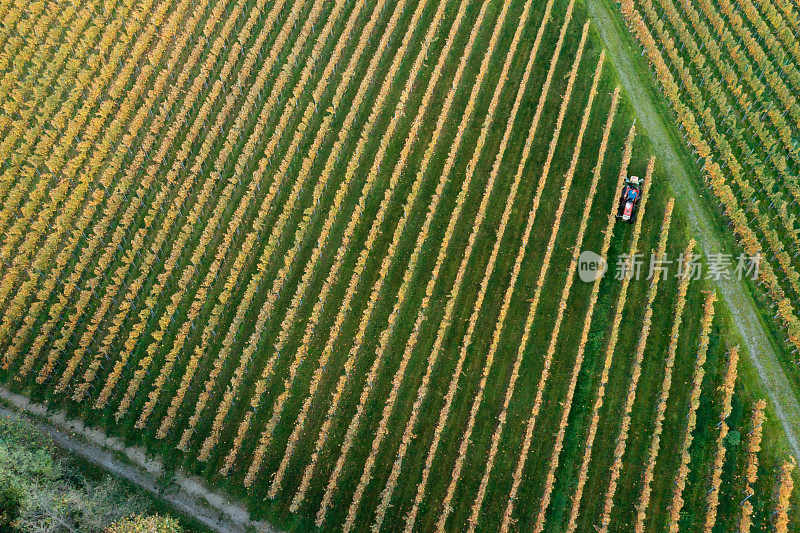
x,y
751,470
727,388
784,496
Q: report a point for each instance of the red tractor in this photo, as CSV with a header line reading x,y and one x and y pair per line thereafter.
x,y
629,200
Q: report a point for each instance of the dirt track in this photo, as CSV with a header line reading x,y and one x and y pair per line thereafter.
x,y
735,294
187,494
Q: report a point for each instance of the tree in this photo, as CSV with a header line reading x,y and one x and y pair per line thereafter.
x,y
10,504
40,490
146,524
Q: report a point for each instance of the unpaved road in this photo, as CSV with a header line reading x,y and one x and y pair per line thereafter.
x,y
187,494
735,294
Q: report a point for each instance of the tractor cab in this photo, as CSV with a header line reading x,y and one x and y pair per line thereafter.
x,y
629,199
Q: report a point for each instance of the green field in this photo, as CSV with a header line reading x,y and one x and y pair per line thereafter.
x,y
323,254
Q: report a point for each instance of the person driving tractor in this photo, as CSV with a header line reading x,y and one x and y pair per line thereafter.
x,y
631,192
629,199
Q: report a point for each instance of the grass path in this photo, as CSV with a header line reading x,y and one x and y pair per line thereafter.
x,y
666,145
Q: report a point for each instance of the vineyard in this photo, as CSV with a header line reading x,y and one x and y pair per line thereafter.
x,y
325,254
729,73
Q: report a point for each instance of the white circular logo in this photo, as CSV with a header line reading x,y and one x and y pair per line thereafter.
x,y
591,266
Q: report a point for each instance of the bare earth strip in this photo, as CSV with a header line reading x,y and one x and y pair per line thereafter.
x,y
735,294
187,494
